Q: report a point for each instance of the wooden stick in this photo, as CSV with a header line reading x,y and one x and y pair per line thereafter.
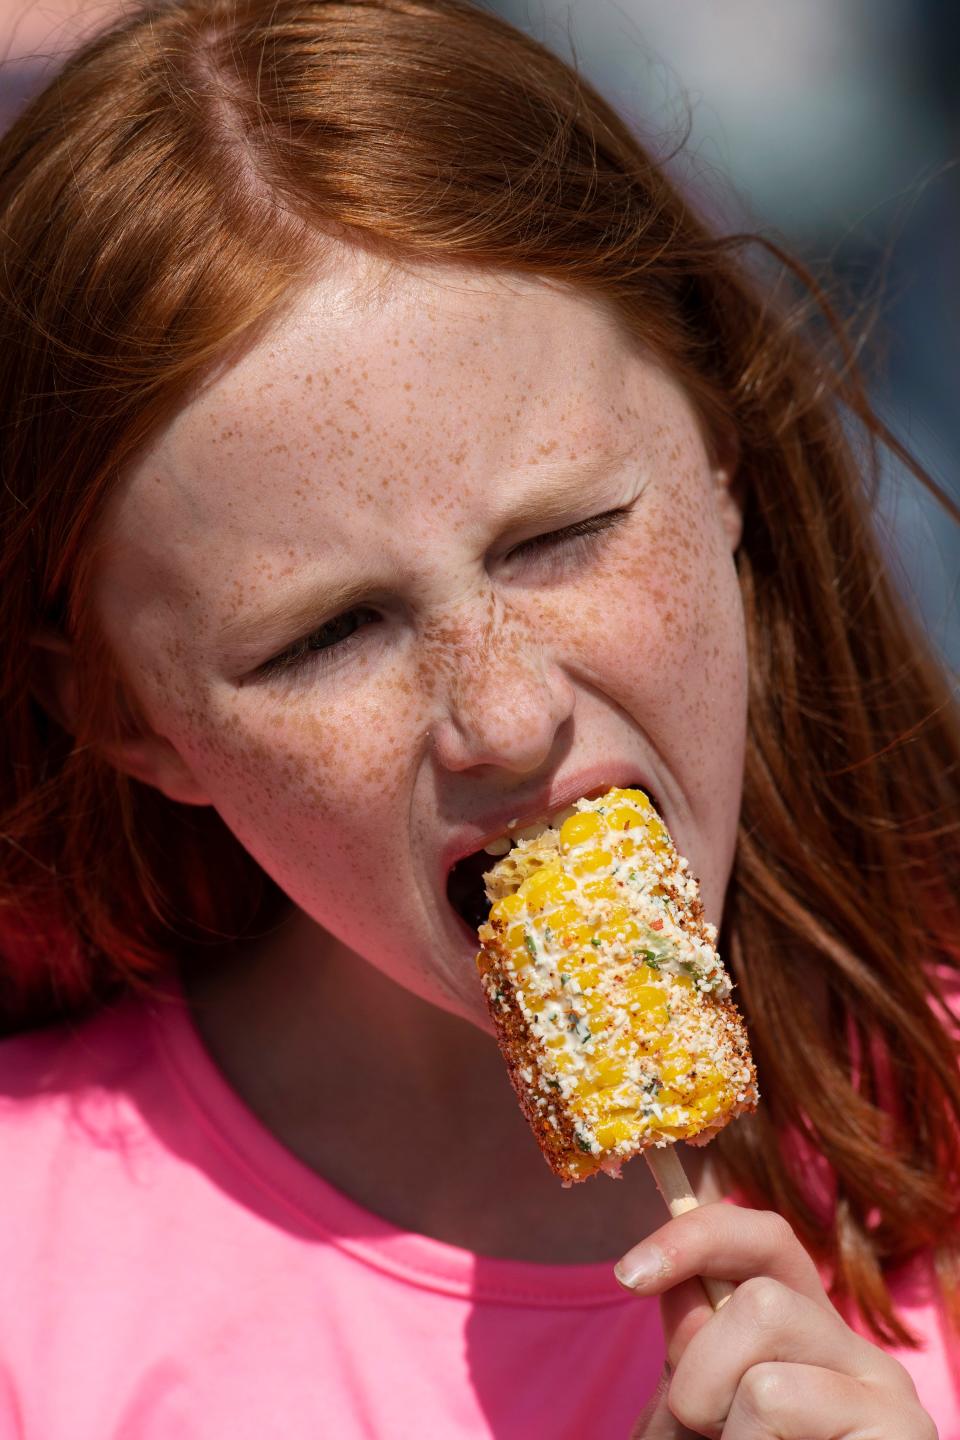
x,y
678,1193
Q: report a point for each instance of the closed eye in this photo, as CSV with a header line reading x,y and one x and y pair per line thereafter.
x,y
338,634
331,641
582,531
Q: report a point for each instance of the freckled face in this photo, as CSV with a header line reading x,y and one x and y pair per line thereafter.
x,y
384,468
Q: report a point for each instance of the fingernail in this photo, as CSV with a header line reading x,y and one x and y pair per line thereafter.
x,y
641,1267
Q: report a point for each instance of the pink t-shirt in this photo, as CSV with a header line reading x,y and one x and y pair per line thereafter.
x,y
170,1272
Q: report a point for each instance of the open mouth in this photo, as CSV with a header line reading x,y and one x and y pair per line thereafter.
x,y
465,888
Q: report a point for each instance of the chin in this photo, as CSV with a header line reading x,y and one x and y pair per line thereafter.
x,y
450,995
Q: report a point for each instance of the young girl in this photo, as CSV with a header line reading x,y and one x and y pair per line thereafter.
x,y
388,454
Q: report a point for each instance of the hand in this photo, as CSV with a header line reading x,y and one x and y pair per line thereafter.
x,y
776,1361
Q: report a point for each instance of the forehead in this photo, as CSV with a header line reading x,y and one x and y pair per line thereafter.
x,y
385,406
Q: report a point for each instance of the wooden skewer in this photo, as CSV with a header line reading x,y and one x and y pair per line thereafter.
x,y
678,1193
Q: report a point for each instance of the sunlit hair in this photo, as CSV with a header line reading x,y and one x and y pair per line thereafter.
x,y
158,203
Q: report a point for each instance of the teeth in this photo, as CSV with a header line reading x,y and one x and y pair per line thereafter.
x,y
503,844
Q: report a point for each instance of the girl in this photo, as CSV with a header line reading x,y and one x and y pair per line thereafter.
x,y
389,453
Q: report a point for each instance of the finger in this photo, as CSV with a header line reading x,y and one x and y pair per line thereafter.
x,y
803,1402
726,1241
684,1311
764,1322
656,1421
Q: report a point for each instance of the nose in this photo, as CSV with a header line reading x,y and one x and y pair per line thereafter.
x,y
504,699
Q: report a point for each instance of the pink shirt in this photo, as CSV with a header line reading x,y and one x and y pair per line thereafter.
x,y
169,1271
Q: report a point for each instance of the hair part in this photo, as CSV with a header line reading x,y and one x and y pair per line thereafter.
x,y
163,198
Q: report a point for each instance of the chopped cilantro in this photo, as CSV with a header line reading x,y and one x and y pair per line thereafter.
x,y
649,956
594,941
530,943
581,1143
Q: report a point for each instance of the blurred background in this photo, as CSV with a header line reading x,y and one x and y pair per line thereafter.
x,y
834,128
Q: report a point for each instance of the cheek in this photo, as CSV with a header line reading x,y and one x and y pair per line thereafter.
x,y
660,630
668,588
310,787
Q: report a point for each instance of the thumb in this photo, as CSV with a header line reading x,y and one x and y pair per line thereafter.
x,y
655,1421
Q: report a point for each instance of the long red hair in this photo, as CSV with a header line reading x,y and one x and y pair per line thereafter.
x,y
157,203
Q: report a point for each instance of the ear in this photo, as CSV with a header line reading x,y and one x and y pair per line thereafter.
x,y
728,489
148,757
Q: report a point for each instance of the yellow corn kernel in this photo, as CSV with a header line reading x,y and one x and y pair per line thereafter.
x,y
560,1056
639,804
644,975
547,886
606,1073
586,974
569,926
578,829
618,926
648,997
672,1067
506,908
636,798
603,889
625,817
706,1105
515,941
611,1132
591,862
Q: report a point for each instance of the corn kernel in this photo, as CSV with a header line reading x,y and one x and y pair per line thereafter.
x,y
516,942
648,997
506,908
673,1066
578,829
612,1132
625,817
592,861
644,975
568,924
547,886
604,889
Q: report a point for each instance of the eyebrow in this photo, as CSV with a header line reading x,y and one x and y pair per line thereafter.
x,y
293,615
564,480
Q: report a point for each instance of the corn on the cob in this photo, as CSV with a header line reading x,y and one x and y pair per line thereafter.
x,y
609,1000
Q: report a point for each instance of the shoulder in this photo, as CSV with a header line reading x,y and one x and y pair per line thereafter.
x,y
68,1091
39,1067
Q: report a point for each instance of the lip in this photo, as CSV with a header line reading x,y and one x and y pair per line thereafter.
x,y
561,792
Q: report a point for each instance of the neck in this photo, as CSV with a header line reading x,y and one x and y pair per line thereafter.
x,y
402,1106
